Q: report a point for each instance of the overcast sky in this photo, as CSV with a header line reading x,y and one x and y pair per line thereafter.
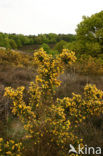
x,y
45,16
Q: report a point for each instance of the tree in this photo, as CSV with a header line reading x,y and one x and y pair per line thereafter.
x,y
7,44
90,33
60,45
52,38
13,44
45,47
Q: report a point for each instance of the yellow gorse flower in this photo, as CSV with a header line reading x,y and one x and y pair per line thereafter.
x,y
42,115
10,148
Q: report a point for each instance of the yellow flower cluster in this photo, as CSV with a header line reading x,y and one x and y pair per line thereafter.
x,y
80,107
10,148
49,69
15,58
45,118
67,57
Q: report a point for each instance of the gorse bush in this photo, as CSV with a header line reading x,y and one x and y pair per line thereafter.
x,y
15,58
87,64
49,122
10,148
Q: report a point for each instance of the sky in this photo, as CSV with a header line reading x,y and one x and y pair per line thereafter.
x,y
45,16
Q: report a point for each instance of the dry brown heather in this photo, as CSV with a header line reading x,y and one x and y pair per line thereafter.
x,y
17,69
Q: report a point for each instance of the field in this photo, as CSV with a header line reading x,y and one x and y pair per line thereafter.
x,y
20,69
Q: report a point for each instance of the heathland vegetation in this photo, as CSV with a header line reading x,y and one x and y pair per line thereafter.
x,y
51,96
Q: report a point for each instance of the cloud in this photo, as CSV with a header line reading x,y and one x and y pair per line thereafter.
x,y
44,16
12,3
5,3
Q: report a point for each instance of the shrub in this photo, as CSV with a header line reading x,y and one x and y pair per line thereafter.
x,y
15,58
51,122
60,45
45,47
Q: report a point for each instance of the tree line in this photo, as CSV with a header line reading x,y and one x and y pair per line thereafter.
x,y
16,41
88,39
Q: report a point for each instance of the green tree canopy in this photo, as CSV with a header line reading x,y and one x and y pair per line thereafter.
x,y
60,45
12,44
45,47
90,33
